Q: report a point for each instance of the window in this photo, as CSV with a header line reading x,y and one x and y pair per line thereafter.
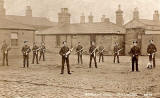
x,y
57,40
14,39
93,38
43,38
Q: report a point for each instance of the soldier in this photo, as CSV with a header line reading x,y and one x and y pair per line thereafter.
x,y
42,51
116,52
5,48
135,52
92,52
26,50
35,50
64,52
79,51
101,53
151,50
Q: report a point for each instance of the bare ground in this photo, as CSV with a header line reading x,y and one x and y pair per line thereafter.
x,y
108,81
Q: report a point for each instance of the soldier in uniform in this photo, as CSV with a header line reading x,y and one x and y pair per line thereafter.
x,y
135,52
25,51
42,51
79,51
65,57
92,51
35,50
5,48
116,53
151,50
101,53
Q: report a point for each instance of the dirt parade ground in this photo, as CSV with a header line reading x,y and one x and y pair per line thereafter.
x,y
108,81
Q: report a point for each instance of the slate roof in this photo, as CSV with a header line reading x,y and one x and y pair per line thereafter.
x,y
143,23
36,22
7,24
87,28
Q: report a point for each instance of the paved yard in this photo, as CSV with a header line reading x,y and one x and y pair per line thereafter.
x,y
108,81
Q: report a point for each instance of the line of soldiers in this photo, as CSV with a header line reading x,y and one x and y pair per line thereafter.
x,y
134,53
26,50
65,52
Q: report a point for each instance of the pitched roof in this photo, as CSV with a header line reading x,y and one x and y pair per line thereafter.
x,y
7,24
36,22
87,28
143,23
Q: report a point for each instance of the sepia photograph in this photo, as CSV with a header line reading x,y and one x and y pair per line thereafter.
x,y
80,48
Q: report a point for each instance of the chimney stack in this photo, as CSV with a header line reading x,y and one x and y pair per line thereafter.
x,y
90,18
156,15
82,18
106,20
2,9
103,18
64,16
29,11
135,14
119,16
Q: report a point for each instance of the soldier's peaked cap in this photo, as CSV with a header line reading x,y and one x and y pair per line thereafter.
x,y
150,40
25,41
134,41
64,42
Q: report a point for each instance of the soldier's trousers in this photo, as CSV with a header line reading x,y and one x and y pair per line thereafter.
x,y
152,60
116,56
64,59
80,58
42,54
25,60
101,56
35,56
92,57
135,61
5,58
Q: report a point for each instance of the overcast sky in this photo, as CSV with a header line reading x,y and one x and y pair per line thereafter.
x,y
50,8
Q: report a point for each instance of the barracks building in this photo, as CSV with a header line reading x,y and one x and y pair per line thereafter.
x,y
15,29
103,33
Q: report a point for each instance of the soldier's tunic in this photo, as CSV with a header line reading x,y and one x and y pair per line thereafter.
x,y
26,50
101,53
151,50
65,58
116,53
35,50
79,51
92,51
5,50
135,52
42,52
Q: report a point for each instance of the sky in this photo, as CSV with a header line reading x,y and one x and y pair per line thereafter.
x,y
50,8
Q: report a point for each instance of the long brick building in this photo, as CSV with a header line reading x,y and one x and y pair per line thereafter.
x,y
103,33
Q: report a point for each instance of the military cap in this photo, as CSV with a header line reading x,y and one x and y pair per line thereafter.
x,y
134,41
64,42
25,41
150,40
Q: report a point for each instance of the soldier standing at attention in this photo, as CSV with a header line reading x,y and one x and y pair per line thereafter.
x,y
35,50
79,51
5,48
135,52
92,51
116,52
25,51
101,53
64,52
151,50
42,51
